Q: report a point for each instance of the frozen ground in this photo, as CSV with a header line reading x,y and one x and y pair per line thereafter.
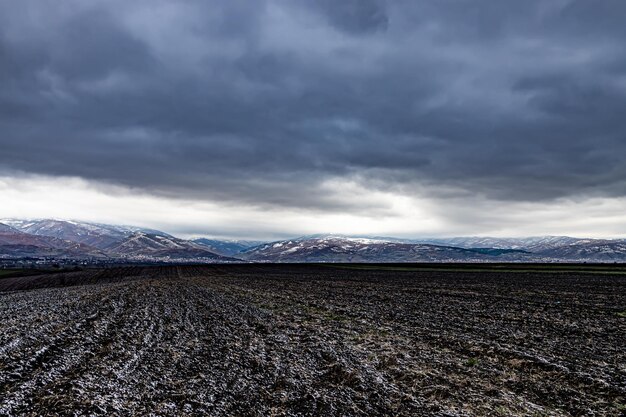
x,y
312,340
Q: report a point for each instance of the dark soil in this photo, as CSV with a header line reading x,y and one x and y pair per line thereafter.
x,y
312,340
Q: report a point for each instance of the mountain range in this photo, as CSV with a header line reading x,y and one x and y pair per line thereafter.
x,y
52,238
82,240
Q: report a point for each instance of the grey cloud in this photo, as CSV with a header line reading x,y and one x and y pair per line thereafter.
x,y
262,103
355,16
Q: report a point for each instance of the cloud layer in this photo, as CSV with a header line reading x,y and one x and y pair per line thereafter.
x,y
265,103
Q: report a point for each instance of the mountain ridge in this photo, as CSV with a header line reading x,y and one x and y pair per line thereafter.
x,y
345,249
227,247
76,239
15,243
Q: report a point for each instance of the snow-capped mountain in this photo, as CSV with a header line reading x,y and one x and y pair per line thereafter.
x,y
550,248
227,247
15,243
66,238
100,236
77,232
148,245
5,228
531,244
347,249
72,239
589,250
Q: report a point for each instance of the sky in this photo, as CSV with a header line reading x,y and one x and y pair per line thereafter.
x,y
270,119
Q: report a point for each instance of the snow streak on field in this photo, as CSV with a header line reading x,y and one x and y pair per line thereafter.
x,y
312,340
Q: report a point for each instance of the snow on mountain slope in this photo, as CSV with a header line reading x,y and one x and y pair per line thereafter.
x,y
5,228
227,247
142,244
74,231
346,249
16,243
589,250
100,236
531,244
51,237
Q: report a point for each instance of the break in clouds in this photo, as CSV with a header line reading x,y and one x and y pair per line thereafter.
x,y
267,102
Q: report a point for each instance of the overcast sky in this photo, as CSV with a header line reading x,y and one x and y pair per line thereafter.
x,y
268,119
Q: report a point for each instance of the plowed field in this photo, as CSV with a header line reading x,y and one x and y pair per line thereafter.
x,y
312,340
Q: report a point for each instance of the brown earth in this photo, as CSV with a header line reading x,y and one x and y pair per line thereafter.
x,y
312,340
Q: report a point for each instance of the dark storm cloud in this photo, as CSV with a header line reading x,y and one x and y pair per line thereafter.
x,y
263,101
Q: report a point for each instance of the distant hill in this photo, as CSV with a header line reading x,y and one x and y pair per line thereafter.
x,y
531,244
15,243
227,247
97,235
80,240
148,245
346,249
591,250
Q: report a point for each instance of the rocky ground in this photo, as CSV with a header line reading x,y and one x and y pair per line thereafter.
x,y
312,340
